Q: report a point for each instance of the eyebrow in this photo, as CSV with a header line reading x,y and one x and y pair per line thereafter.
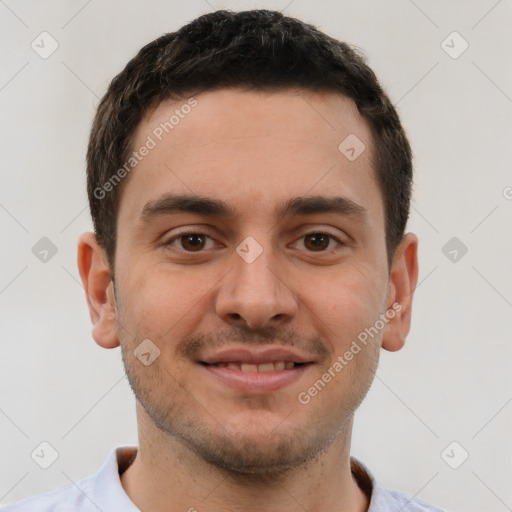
x,y
306,205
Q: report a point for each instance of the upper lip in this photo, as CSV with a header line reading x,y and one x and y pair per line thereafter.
x,y
243,355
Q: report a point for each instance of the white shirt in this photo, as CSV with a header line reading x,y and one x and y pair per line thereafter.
x,y
103,492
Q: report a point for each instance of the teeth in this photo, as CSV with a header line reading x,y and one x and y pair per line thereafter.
x,y
262,368
266,367
251,368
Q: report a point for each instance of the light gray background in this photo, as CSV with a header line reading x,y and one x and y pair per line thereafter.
x,y
451,382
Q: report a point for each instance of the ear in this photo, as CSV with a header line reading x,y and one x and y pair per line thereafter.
x,y
402,283
99,290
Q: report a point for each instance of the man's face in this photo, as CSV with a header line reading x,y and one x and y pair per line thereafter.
x,y
312,276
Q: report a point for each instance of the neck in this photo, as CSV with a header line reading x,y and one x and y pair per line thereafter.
x,y
168,476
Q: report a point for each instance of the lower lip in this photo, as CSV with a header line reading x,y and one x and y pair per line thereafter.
x,y
254,382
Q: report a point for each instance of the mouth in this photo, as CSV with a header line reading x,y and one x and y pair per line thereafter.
x,y
266,367
256,372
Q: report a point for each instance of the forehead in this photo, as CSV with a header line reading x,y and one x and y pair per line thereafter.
x,y
262,146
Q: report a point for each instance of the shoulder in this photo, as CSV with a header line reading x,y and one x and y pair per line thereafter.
x,y
73,497
391,501
101,491
382,500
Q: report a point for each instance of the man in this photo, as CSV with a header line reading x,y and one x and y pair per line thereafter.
x,y
249,183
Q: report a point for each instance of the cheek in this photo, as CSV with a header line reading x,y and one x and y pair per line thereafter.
x,y
345,302
160,302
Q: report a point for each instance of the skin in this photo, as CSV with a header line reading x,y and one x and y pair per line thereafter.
x,y
203,444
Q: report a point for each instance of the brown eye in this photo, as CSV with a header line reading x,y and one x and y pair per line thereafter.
x,y
193,242
190,242
317,241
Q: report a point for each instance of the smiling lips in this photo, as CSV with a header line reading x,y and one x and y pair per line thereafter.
x,y
266,360
275,366
256,371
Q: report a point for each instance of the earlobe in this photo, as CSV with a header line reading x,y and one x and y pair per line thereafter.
x,y
403,280
99,290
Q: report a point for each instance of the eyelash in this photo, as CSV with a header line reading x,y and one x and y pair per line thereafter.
x,y
187,233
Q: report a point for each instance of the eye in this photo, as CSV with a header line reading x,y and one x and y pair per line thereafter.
x,y
319,242
191,242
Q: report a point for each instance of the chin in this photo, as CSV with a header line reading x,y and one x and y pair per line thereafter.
x,y
263,457
261,450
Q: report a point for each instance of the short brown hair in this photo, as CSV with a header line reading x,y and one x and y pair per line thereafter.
x,y
257,49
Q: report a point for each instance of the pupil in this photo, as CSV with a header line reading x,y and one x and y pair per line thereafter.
x,y
319,240
192,241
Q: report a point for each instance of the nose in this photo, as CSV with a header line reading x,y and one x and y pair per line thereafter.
x,y
256,295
